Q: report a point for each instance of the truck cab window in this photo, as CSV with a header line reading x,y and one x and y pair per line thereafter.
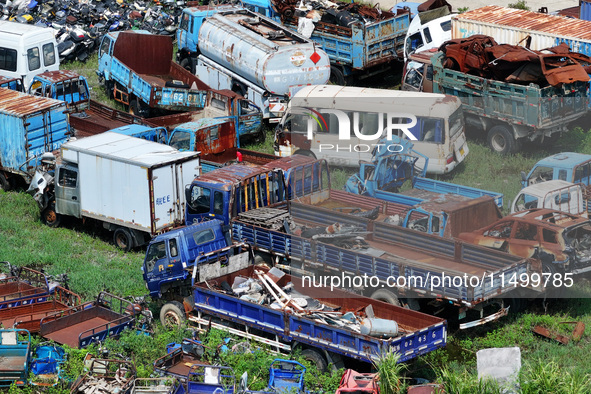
x,y
105,46
416,41
174,251
204,236
427,34
67,178
541,174
33,58
7,59
185,22
562,175
200,199
582,174
414,78
218,203
181,140
48,54
155,252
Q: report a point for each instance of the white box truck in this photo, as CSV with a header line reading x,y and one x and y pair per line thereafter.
x,y
132,186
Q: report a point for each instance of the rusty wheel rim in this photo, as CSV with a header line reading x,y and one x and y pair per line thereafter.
x,y
171,319
121,241
50,216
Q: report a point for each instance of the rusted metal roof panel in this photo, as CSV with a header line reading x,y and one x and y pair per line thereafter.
x,y
527,21
21,104
58,76
234,174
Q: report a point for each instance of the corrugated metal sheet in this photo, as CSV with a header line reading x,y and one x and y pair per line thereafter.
x,y
510,26
58,76
21,104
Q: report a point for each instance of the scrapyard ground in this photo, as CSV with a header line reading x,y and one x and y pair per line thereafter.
x,y
93,264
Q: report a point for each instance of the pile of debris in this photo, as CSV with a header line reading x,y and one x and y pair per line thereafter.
x,y
481,55
105,377
340,13
264,290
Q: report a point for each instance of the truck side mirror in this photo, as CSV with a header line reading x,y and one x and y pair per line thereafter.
x,y
188,193
523,176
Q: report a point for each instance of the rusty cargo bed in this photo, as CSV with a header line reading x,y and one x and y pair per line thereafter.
x,y
23,286
90,322
178,362
29,316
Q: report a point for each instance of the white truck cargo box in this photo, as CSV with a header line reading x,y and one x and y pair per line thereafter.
x,y
132,182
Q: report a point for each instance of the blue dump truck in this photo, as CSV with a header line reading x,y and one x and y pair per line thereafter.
x,y
138,71
29,127
256,57
358,46
185,260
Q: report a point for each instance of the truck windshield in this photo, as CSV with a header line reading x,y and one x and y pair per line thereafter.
x,y
181,140
200,200
155,252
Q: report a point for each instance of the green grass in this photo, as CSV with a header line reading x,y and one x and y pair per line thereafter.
x,y
94,264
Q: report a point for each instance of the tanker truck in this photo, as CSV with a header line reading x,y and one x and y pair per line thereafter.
x,y
233,48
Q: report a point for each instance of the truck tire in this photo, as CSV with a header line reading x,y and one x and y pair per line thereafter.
x,y
4,183
123,239
50,217
500,140
172,314
186,64
386,296
110,86
336,76
239,89
305,152
315,357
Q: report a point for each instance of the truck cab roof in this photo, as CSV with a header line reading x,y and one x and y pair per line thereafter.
x,y
566,160
188,230
57,76
231,175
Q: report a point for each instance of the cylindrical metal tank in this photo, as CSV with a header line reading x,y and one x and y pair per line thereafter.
x,y
272,63
376,327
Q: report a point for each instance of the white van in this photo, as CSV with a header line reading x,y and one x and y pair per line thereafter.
x,y
344,124
27,50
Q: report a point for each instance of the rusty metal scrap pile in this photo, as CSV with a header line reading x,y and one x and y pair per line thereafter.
x,y
338,12
265,291
482,56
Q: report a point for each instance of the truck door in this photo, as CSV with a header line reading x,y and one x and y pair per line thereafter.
x,y
155,265
105,54
249,118
67,191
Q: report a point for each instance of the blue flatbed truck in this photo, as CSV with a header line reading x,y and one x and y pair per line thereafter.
x,y
422,261
138,71
322,343
360,49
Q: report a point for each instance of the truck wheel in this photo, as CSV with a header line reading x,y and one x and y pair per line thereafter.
x,y
186,64
305,152
314,357
4,183
336,76
500,140
50,217
123,239
172,314
386,296
110,87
